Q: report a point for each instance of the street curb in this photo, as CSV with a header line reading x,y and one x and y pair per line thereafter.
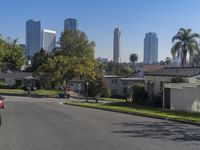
x,y
138,114
26,95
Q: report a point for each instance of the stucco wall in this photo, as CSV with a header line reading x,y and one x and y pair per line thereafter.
x,y
115,85
185,98
156,80
164,79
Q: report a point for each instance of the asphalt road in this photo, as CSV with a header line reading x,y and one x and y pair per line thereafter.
x,y
45,124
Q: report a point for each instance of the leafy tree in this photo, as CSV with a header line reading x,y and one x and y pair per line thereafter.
x,y
195,60
123,70
162,62
11,54
133,58
75,59
76,43
119,69
139,94
52,73
38,60
184,42
167,60
99,85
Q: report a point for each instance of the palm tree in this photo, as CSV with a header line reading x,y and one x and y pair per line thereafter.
x,y
133,58
167,60
184,42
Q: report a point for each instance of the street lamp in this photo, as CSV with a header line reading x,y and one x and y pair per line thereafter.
x,y
87,83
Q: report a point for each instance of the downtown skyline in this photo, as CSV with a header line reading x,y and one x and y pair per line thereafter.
x,y
98,19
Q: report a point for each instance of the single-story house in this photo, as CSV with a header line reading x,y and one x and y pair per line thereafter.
x,y
17,78
117,84
154,80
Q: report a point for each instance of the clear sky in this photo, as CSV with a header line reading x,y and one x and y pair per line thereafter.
x,y
98,18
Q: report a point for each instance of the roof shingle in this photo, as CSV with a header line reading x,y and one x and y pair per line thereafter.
x,y
176,71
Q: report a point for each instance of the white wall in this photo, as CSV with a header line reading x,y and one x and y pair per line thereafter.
x,y
185,97
156,80
115,85
165,79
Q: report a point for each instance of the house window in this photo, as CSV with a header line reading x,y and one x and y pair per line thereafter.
x,y
18,83
114,81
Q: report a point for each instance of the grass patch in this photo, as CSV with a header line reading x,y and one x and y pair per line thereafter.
x,y
144,111
113,99
20,92
50,93
13,91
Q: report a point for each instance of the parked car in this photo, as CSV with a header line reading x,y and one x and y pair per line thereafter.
x,y
1,102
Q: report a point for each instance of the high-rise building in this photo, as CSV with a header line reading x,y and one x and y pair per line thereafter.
x,y
33,31
71,24
48,40
151,48
117,46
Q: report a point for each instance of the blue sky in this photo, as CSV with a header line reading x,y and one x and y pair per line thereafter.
x,y
98,18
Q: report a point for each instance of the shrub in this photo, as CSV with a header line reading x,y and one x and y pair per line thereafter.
x,y
138,91
178,80
139,94
156,101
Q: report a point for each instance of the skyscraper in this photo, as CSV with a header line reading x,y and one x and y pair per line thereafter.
x,y
117,46
48,40
151,48
33,31
71,24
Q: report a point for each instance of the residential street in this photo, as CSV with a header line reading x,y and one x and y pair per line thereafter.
x,y
46,124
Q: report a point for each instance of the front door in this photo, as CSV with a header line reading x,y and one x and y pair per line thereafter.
x,y
167,98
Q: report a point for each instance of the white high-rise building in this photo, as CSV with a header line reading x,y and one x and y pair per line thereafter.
x,y
48,40
117,46
151,48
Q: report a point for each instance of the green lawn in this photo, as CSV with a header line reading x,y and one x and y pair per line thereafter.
x,y
113,99
48,93
139,110
13,91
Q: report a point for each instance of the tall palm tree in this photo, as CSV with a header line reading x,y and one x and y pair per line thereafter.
x,y
184,42
133,58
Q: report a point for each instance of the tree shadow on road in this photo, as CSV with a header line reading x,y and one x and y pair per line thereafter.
x,y
161,130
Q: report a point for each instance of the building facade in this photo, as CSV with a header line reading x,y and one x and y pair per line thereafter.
x,y
182,96
154,80
33,31
48,40
151,48
117,46
71,24
117,84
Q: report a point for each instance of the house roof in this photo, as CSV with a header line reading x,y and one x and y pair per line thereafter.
x,y
132,79
15,75
111,76
176,71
